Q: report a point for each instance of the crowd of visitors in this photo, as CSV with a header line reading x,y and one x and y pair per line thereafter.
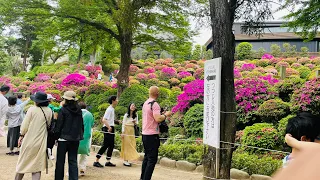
x,y
32,136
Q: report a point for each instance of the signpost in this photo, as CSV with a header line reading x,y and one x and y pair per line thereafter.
x,y
212,96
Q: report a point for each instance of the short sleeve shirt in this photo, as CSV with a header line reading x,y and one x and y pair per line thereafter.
x,y
149,125
109,115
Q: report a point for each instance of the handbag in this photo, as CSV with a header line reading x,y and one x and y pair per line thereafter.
x,y
50,130
136,131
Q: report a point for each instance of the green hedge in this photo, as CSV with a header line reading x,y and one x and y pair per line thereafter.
x,y
193,121
254,164
273,110
134,94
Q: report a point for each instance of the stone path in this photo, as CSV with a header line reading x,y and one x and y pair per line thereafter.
x,y
8,163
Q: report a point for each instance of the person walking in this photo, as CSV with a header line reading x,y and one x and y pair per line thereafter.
x,y
33,139
69,131
151,117
3,108
85,144
128,145
108,129
14,117
52,139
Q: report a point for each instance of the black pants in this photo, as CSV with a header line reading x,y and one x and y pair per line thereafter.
x,y
108,143
13,137
151,144
72,148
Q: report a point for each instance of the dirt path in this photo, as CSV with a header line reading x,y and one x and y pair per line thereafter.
x,y
8,164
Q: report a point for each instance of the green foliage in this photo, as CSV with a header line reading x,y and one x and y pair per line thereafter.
x,y
173,131
254,164
139,144
97,88
275,50
103,107
97,138
164,94
163,84
134,94
188,79
263,63
243,50
28,75
261,52
171,101
208,54
282,127
91,102
271,111
121,110
287,86
304,51
191,152
289,51
193,121
196,54
304,72
262,135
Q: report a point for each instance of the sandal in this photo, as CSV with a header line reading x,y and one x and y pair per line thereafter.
x,y
10,153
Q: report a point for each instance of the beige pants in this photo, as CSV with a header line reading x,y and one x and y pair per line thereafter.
x,y
83,162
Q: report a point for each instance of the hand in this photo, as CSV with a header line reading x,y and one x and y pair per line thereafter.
x,y
20,141
109,129
134,121
62,103
168,113
122,136
288,138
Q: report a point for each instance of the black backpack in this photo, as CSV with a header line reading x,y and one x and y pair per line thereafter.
x,y
163,126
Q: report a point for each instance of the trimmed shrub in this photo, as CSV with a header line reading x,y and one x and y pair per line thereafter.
x,y
243,50
152,82
174,81
304,60
188,79
307,98
173,131
193,121
250,94
163,84
134,94
304,72
287,86
254,164
304,51
263,63
282,127
97,88
275,50
273,110
164,94
291,72
262,135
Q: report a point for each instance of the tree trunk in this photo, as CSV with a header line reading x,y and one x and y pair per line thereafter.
x,y
80,50
222,17
93,56
26,53
123,75
42,58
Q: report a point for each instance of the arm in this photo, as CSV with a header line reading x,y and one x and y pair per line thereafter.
x,y
22,105
59,125
107,116
156,113
300,145
25,123
124,122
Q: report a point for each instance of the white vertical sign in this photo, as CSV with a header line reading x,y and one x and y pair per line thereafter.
x,y
212,95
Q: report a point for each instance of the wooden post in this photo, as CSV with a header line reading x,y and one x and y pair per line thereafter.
x,y
282,72
317,73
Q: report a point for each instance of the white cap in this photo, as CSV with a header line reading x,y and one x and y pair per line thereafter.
x,y
49,96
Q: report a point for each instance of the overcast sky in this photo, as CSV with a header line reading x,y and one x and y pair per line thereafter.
x,y
205,33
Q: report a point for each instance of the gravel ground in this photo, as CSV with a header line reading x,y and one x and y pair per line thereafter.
x,y
8,163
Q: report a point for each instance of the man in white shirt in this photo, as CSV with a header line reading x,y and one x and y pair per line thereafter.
x,y
108,128
3,108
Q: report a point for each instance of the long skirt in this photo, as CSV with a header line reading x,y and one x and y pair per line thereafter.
x,y
13,137
128,145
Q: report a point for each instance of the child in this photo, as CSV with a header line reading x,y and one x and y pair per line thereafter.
x,y
303,127
14,117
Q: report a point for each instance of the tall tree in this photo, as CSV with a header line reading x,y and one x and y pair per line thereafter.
x,y
197,52
223,14
304,18
130,22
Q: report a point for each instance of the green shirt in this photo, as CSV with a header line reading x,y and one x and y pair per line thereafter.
x,y
54,109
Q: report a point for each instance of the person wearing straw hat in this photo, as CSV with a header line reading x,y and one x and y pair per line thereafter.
x,y
69,132
33,139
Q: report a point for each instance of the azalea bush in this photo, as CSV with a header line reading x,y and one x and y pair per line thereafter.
x,y
133,69
307,98
168,73
261,135
199,73
40,86
184,74
237,73
142,77
250,94
273,110
192,94
75,80
42,78
263,63
267,56
272,81
149,70
287,86
248,67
